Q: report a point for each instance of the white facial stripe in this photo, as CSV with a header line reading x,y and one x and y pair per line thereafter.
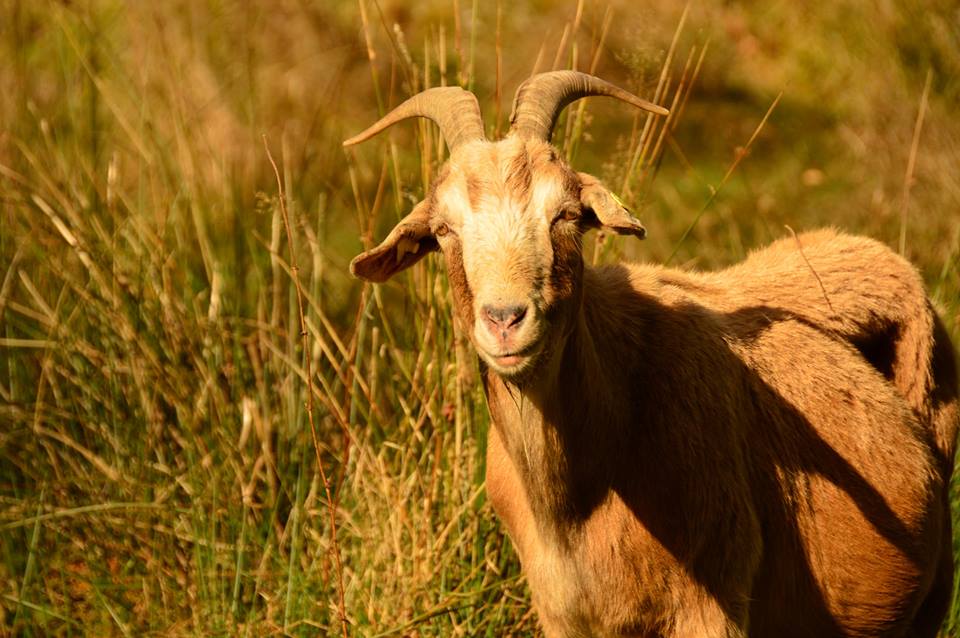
x,y
546,195
505,235
454,203
507,250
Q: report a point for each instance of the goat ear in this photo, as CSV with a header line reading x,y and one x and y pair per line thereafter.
x,y
604,209
407,243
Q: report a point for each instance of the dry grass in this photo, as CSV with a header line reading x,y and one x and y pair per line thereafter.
x,y
157,469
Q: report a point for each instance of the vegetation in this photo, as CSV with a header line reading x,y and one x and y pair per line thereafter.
x,y
158,473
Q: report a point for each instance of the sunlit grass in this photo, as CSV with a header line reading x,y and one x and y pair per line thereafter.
x,y
157,473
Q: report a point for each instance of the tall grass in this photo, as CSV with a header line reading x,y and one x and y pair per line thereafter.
x,y
158,474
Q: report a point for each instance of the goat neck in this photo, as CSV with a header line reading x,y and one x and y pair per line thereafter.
x,y
555,441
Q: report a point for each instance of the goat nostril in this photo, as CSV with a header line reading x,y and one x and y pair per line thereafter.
x,y
504,317
519,313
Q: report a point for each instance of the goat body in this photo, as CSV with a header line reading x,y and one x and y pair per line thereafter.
x,y
714,448
764,450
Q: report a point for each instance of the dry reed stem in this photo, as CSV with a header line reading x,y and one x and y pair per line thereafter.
x,y
714,191
561,48
810,266
458,42
640,152
471,72
604,30
499,79
647,176
537,61
331,507
912,161
669,124
693,79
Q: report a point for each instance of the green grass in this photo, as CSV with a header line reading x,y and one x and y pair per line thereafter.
x,y
157,470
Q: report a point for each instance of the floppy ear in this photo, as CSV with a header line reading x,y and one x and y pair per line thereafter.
x,y
603,208
407,243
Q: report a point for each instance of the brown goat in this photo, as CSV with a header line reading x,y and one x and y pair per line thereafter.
x,y
760,451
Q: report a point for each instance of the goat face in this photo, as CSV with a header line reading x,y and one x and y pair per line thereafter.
x,y
509,217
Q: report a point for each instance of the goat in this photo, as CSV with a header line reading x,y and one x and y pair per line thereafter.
x,y
763,450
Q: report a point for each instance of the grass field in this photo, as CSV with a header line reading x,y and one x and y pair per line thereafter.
x,y
158,473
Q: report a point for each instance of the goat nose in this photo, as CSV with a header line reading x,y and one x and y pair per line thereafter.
x,y
504,318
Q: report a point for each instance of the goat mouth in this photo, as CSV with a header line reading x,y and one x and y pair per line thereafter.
x,y
511,363
509,360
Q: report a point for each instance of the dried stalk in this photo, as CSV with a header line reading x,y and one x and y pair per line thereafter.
x,y
295,273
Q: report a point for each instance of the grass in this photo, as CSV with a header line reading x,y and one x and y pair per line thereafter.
x,y
158,475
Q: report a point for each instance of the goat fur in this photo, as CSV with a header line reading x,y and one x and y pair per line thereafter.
x,y
763,450
739,452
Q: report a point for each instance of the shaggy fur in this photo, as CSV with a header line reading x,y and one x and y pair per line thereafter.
x,y
760,451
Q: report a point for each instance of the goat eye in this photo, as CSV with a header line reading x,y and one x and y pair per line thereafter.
x,y
567,215
441,230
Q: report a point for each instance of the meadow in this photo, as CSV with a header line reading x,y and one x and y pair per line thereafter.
x,y
207,427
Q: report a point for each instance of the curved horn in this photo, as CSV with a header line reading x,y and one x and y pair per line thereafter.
x,y
454,110
541,98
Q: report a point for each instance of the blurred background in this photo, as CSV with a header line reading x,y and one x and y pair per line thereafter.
x,y
158,473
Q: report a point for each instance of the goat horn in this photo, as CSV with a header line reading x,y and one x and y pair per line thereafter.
x,y
453,109
541,98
